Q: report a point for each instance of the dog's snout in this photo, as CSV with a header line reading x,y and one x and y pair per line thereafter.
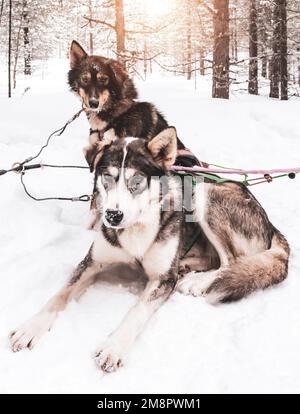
x,y
93,103
114,217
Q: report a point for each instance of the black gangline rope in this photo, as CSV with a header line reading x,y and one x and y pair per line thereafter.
x,y
21,167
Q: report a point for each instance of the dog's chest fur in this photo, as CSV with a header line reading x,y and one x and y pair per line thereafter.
x,y
138,239
96,122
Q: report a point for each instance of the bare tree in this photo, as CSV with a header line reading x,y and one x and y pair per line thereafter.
x,y
279,70
253,66
120,29
1,10
233,31
202,61
189,39
298,65
9,48
145,51
17,48
275,63
264,20
220,87
27,51
90,7
283,51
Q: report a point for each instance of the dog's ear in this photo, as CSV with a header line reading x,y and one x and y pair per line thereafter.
x,y
121,75
94,152
77,54
119,71
163,147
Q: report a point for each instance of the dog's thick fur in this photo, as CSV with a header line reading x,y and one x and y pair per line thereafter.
x,y
238,249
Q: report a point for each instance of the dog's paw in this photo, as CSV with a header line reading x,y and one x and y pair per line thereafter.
x,y
196,284
109,357
28,334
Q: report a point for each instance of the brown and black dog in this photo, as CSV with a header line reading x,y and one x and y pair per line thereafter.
x,y
109,99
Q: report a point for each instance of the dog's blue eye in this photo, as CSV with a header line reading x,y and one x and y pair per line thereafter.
x,y
136,184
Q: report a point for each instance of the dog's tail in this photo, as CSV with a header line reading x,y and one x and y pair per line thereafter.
x,y
249,273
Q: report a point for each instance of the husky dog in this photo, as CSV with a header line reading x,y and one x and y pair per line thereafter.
x,y
237,249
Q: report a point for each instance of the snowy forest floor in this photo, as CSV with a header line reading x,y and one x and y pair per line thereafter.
x,y
189,346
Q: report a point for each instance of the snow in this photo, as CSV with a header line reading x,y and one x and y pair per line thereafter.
x,y
189,346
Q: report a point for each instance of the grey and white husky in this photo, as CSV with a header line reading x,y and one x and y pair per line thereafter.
x,y
237,250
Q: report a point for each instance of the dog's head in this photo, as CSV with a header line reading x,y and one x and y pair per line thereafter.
x,y
100,82
127,173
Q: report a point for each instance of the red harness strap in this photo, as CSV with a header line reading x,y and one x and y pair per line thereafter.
x,y
189,152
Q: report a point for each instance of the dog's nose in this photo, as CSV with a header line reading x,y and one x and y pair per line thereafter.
x,y
93,103
114,217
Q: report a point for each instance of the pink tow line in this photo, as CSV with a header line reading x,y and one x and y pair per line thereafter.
x,y
239,172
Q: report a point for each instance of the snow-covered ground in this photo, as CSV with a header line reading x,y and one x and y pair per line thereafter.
x,y
189,346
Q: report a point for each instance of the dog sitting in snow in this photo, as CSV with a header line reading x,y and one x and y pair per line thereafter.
x,y
237,249
108,97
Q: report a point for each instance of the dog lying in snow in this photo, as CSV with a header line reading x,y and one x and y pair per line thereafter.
x,y
237,250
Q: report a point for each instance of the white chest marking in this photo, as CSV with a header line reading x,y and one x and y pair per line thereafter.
x,y
137,239
104,252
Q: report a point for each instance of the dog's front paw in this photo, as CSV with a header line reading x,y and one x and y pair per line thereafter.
x,y
109,357
28,334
